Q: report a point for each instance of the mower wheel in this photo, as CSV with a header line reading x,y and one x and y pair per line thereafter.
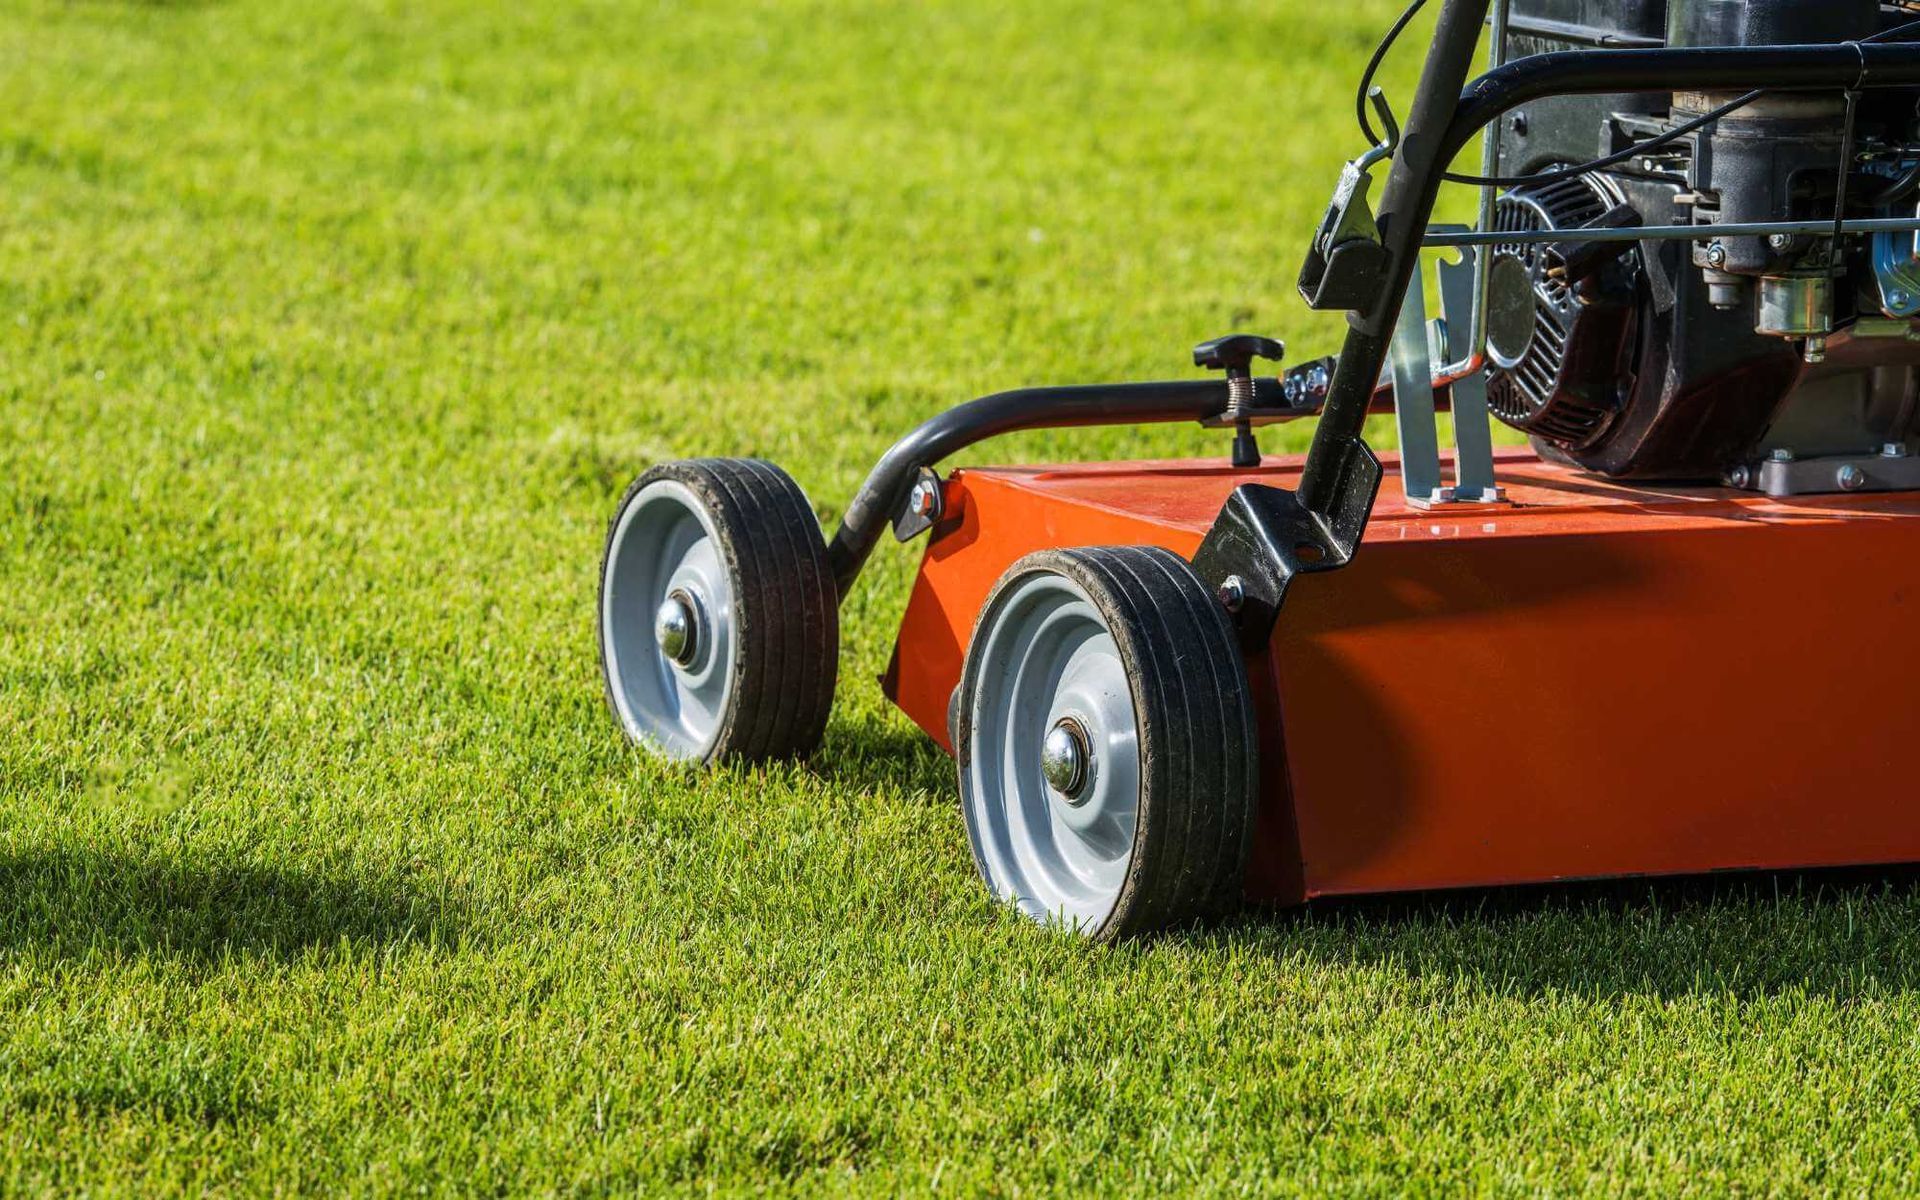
x,y
719,622
1106,743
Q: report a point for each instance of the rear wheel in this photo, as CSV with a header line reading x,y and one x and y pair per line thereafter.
x,y
1106,743
719,621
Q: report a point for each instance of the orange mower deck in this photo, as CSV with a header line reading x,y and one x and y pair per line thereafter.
x,y
1459,707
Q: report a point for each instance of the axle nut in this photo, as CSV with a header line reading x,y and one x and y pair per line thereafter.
x,y
1064,759
676,628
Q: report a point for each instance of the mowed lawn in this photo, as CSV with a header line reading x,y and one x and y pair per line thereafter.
x,y
329,335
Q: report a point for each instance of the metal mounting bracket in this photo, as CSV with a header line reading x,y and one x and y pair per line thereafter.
x,y
1416,347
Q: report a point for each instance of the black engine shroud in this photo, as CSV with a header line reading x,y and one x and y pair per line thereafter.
x,y
1670,360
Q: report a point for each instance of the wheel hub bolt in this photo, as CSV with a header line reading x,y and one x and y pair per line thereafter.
x,y
1065,758
676,627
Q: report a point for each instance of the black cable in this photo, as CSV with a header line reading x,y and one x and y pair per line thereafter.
x,y
1835,256
1902,186
1373,65
1884,34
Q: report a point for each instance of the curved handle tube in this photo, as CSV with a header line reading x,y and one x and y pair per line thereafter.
x,y
885,490
1842,66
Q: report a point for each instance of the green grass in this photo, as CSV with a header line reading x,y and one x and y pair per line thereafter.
x,y
328,337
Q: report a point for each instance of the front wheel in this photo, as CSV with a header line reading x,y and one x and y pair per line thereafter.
x,y
1106,746
719,619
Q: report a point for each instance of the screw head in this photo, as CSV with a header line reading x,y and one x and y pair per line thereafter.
x,y
1815,350
922,499
1739,477
1780,241
676,628
1065,758
1850,478
1716,254
1233,593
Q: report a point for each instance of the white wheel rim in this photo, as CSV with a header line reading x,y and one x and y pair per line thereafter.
x,y
1044,655
664,543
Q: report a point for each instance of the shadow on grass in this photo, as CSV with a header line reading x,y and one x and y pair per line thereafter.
x,y
1845,934
884,753
75,901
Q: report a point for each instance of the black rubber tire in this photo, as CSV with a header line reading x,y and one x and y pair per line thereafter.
x,y
786,645
1199,752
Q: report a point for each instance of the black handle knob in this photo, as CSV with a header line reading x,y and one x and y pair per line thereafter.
x,y
1236,352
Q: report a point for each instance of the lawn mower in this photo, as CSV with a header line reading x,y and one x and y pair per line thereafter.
x,y
1676,635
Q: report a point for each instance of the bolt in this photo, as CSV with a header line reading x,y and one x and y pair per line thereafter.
x,y
922,499
1064,758
1716,255
1739,477
1233,593
1780,241
1294,389
1850,478
1894,450
1319,379
1898,300
1781,455
1518,124
1814,350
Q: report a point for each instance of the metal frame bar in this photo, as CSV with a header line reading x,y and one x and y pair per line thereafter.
x,y
1417,346
1475,354
1413,410
1665,233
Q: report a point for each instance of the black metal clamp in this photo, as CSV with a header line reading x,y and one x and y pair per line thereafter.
x,y
1234,354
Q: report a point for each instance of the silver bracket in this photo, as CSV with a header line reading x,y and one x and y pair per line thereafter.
x,y
1783,474
1416,347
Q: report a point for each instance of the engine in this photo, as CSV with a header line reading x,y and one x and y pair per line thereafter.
x,y
1783,361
